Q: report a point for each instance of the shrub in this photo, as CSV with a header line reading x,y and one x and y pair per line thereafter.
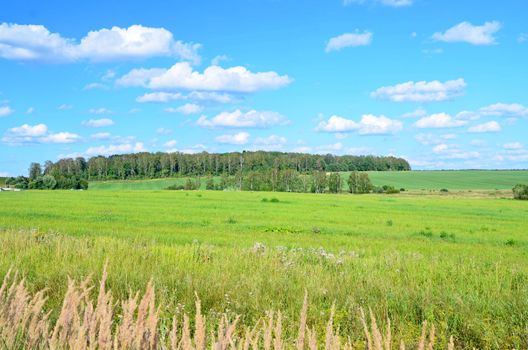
x,y
274,200
445,190
210,185
175,187
520,192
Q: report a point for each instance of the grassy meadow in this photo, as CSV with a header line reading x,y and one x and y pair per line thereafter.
x,y
460,263
410,180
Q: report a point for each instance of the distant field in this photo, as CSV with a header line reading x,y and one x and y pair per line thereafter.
x,y
410,180
461,263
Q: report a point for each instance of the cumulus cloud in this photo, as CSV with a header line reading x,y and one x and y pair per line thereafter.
x,y
5,111
446,151
368,125
270,143
439,120
101,110
469,33
214,78
64,107
192,96
170,144
513,146
348,40
36,42
421,91
491,126
419,112
505,110
239,119
108,150
98,123
163,131
38,133
330,148
432,139
101,136
188,108
60,137
392,3
240,138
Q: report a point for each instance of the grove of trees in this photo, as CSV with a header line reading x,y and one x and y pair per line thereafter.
x,y
158,165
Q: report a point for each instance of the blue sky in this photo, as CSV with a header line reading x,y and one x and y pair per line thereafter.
x,y
441,83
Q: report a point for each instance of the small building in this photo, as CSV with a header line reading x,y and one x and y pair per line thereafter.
x,y
6,189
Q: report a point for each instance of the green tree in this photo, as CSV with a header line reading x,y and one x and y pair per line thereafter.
x,y
319,182
334,183
35,170
520,192
359,182
48,182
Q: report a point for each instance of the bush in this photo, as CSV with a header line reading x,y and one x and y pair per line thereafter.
x,y
175,187
445,190
210,185
520,192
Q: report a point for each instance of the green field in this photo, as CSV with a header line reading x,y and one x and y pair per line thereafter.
x,y
461,263
410,180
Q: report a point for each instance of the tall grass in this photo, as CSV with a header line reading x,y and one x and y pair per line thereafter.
x,y
88,321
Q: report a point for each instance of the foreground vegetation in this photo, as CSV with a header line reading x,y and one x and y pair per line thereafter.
x,y
461,264
83,324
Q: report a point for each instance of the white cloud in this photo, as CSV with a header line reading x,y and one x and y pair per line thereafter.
x,y
270,143
188,108
37,134
36,42
368,125
101,136
163,131
505,110
513,146
467,115
239,119
64,107
170,144
98,123
29,130
95,86
331,148
421,91
432,139
439,120
193,96
240,138
392,3
218,59
446,151
30,110
348,40
214,78
492,126
116,149
466,32
4,174
101,110
522,37
5,111
61,137
418,113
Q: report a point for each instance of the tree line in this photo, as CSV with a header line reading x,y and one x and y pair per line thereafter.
x,y
286,181
158,165
75,173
